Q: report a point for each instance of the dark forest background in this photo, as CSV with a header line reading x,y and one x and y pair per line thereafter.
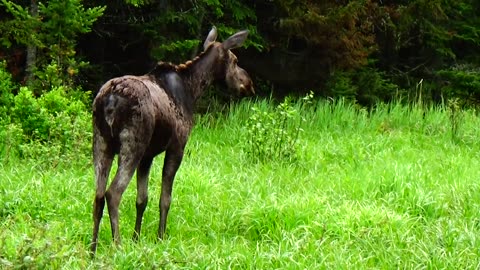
x,y
363,50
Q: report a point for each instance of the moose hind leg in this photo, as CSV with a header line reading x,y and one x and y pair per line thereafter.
x,y
172,162
102,158
143,171
129,157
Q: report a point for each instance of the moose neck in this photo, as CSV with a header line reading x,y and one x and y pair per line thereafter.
x,y
199,73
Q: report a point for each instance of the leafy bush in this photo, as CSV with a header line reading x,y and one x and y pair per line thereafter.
x,y
28,113
462,81
273,135
53,125
366,86
6,90
341,84
34,249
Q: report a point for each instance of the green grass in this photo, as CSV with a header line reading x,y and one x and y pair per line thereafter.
x,y
382,189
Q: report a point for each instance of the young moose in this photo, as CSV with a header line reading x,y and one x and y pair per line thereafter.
x,y
139,117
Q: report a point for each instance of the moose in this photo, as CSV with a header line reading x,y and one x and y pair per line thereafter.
x,y
140,117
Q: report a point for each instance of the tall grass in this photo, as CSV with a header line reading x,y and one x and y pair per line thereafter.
x,y
381,188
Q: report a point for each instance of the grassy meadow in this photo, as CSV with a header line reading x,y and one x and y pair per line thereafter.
x,y
396,187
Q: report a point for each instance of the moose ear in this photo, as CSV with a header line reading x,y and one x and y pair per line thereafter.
x,y
236,40
212,36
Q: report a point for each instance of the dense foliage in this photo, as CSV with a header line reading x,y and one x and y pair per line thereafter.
x,y
293,45
54,125
366,51
48,33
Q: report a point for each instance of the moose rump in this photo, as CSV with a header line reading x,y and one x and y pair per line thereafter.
x,y
138,108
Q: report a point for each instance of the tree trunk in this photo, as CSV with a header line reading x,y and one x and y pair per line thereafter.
x,y
31,49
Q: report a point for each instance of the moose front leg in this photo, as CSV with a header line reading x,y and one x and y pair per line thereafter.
x,y
173,158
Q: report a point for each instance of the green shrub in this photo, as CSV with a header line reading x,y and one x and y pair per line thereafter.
x,y
6,90
273,135
28,113
462,81
55,124
340,84
366,86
